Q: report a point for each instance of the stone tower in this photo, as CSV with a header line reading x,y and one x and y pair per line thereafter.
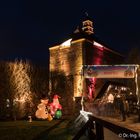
x,y
67,60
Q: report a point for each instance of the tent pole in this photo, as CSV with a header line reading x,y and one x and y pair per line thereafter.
x,y
82,99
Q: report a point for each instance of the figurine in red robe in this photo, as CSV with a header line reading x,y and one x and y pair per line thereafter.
x,y
55,106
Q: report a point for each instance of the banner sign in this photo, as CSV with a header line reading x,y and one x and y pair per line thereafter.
x,y
109,71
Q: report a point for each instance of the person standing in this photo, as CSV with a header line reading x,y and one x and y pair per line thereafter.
x,y
126,104
121,107
110,105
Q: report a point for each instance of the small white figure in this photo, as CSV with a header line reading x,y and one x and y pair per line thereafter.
x,y
30,118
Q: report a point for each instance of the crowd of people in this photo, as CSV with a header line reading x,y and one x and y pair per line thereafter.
x,y
114,103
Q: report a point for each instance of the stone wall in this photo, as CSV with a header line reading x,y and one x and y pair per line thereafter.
x,y
66,64
65,71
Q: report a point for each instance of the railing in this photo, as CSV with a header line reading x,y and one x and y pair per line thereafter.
x,y
97,124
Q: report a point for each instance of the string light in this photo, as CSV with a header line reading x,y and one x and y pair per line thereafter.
x,y
20,82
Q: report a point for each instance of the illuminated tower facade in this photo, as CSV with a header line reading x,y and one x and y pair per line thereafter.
x,y
67,59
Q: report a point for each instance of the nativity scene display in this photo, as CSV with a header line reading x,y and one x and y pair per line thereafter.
x,y
49,110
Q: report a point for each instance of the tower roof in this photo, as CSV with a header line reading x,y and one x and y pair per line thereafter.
x,y
85,28
87,17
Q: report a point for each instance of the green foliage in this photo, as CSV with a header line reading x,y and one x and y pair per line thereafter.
x,y
39,80
133,56
4,92
63,86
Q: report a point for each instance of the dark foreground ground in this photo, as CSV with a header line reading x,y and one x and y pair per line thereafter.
x,y
43,130
36,130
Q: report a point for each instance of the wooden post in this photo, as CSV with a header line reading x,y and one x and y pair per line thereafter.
x,y
99,131
81,131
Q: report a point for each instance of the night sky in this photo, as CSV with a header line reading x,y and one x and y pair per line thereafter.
x,y
29,27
